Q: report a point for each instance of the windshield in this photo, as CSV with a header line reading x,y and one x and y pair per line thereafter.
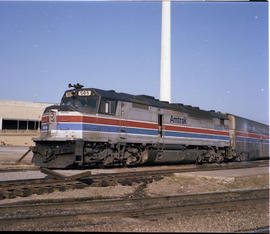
x,y
84,104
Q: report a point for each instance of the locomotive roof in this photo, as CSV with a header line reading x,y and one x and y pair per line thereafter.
x,y
152,101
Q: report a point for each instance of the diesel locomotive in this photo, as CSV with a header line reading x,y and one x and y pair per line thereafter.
x,y
98,128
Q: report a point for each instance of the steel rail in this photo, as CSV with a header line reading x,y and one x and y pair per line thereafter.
x,y
4,170
127,207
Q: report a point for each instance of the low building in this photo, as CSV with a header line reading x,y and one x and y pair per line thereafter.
x,y
20,121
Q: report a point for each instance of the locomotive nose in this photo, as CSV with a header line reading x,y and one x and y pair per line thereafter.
x,y
49,120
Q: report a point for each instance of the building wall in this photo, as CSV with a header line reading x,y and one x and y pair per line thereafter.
x,y
18,138
20,121
22,110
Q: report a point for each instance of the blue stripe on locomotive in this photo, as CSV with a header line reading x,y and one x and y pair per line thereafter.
x,y
195,135
104,128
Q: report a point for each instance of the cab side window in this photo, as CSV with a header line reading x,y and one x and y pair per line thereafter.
x,y
107,106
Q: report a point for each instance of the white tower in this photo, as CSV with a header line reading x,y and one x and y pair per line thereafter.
x,y
165,60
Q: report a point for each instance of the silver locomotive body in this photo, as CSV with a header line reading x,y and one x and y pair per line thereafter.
x,y
93,127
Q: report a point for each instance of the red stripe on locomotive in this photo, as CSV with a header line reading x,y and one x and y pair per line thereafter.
x,y
195,130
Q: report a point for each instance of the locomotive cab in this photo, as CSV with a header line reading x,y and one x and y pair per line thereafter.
x,y
81,100
88,101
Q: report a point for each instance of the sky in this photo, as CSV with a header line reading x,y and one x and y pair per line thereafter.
x,y
219,52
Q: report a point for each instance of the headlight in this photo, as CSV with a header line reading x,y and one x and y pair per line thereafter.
x,y
52,116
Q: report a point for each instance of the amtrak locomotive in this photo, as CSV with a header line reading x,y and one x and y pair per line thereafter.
x,y
97,128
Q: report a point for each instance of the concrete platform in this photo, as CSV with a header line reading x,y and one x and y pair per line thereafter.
x,y
227,175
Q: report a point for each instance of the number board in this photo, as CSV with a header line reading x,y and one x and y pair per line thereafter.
x,y
84,93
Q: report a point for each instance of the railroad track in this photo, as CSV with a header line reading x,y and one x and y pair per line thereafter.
x,y
12,189
75,209
4,170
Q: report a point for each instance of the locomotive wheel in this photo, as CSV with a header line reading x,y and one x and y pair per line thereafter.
x,y
199,160
131,157
108,159
219,158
